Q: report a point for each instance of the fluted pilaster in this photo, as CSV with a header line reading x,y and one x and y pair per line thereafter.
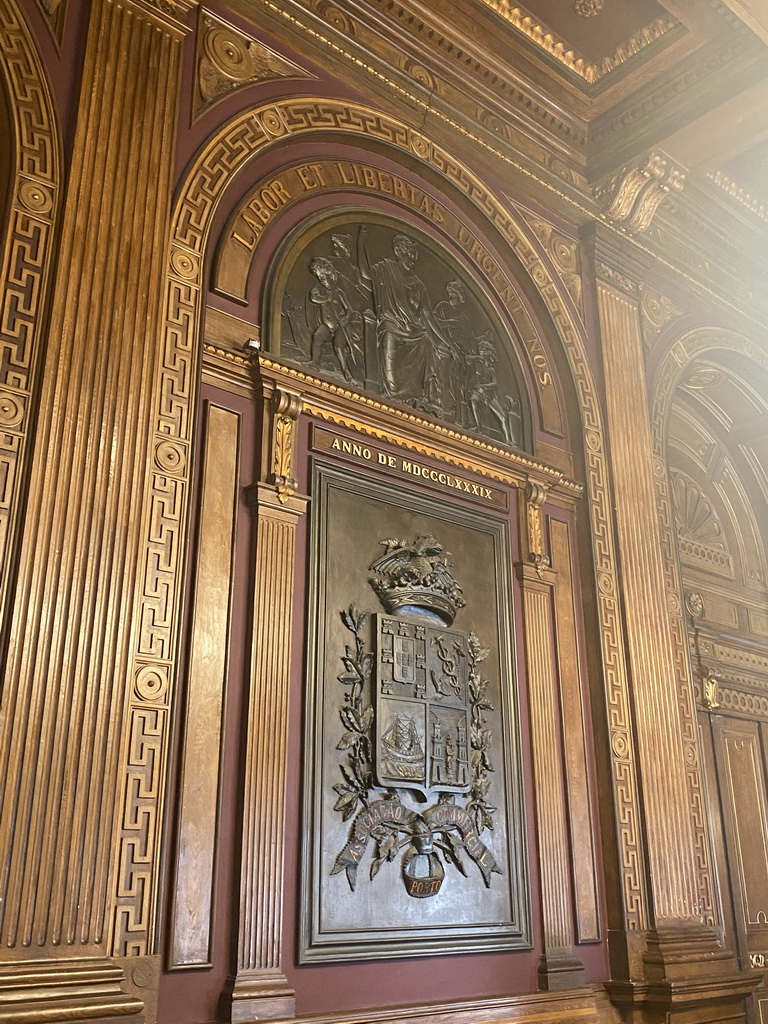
x,y
84,725
259,988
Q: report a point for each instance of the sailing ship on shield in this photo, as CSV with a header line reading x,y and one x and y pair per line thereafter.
x,y
424,735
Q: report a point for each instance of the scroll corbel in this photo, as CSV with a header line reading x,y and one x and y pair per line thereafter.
x,y
535,496
631,197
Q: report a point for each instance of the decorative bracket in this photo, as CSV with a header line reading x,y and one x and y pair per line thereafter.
x,y
287,406
710,684
535,496
631,197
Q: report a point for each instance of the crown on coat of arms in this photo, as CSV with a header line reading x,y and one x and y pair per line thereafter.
x,y
416,575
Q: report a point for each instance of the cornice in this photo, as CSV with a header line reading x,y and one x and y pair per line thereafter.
x,y
591,71
495,82
720,68
739,194
518,149
708,247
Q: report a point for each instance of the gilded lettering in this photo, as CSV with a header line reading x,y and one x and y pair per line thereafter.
x,y
307,180
400,188
346,178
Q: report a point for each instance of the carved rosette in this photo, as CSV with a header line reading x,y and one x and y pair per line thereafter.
x,y
588,8
229,59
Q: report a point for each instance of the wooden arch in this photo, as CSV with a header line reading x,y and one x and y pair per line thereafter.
x,y
220,163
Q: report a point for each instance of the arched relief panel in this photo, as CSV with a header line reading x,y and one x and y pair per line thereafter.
x,y
296,190
376,302
29,198
222,167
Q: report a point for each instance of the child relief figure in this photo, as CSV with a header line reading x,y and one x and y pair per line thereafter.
x,y
340,326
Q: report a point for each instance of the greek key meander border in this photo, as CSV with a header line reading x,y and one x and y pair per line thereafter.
x,y
206,182
680,355
28,248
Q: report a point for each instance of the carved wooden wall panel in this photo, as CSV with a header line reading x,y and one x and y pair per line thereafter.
x,y
744,794
584,855
197,829
220,162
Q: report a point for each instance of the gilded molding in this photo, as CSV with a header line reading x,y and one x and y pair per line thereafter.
x,y
590,71
425,105
54,991
25,274
588,8
630,198
627,120
672,370
741,195
198,802
609,275
584,868
113,687
710,685
198,199
464,450
260,990
228,59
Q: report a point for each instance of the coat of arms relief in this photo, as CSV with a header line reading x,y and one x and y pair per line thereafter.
x,y
416,738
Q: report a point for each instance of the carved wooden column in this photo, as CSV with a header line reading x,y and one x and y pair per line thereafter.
x,y
677,962
559,967
84,727
259,989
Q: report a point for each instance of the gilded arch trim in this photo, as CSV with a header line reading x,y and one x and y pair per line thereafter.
x,y
27,254
216,166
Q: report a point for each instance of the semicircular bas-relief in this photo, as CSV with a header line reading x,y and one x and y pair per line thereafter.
x,y
375,302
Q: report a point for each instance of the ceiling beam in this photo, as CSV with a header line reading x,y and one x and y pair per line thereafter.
x,y
753,13
723,132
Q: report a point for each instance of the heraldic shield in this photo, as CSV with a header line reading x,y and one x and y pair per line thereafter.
x,y
424,734
422,714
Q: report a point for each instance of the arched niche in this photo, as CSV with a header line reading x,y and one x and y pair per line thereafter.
x,y
709,419
376,301
709,416
295,183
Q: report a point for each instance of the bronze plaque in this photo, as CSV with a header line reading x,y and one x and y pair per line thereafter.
x,y
414,839
389,311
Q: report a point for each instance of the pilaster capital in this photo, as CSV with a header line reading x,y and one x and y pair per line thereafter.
x,y
172,14
615,259
282,408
